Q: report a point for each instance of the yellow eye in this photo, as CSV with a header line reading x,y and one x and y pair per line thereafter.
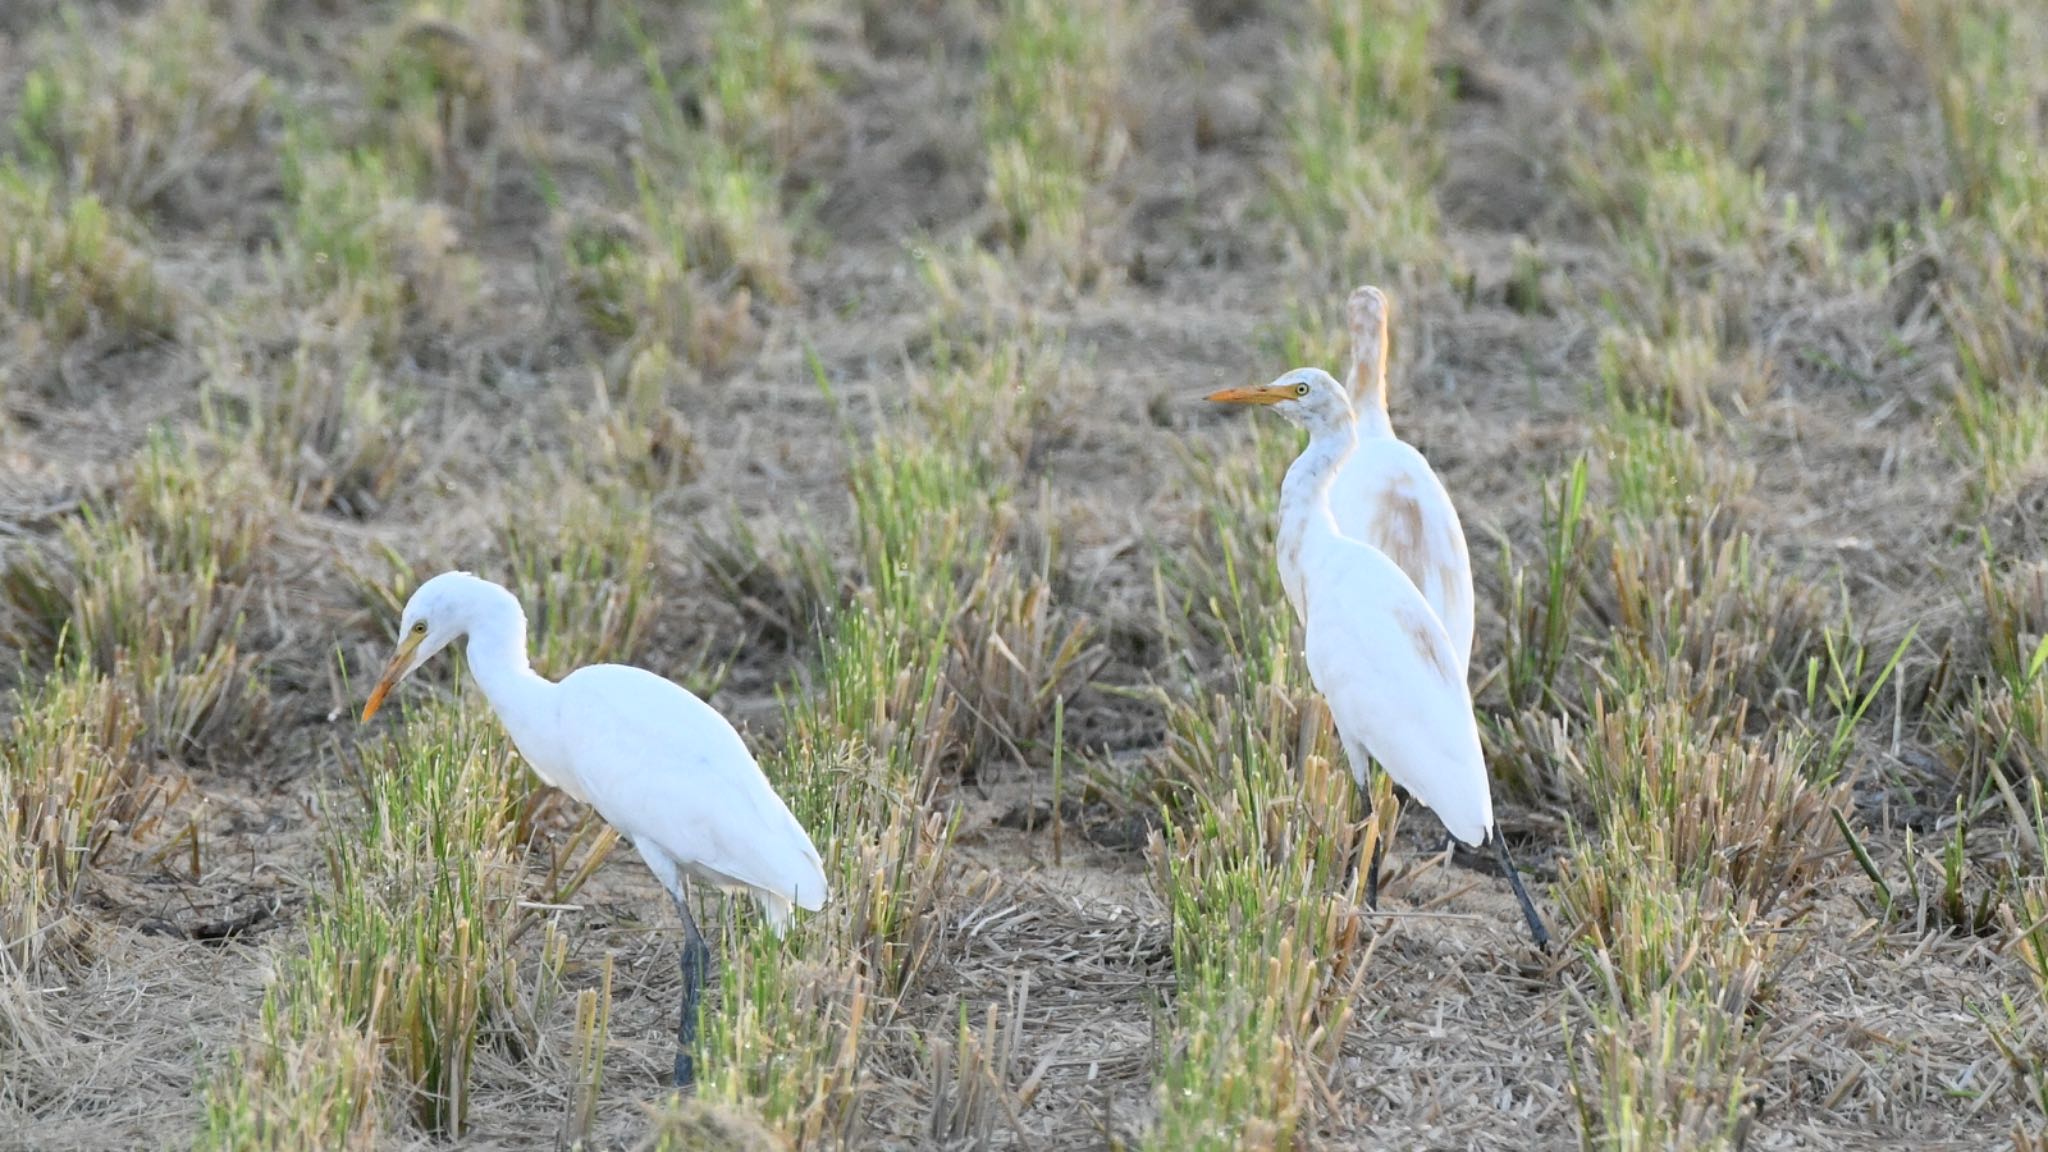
x,y
1301,389
420,628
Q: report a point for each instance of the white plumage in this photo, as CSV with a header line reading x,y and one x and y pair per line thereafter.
x,y
1376,650
1386,494
704,807
1380,658
660,765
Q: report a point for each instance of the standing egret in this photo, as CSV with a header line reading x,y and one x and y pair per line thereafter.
x,y
1386,494
656,762
1376,651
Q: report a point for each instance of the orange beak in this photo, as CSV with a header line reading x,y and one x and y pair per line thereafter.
x,y
393,673
1256,394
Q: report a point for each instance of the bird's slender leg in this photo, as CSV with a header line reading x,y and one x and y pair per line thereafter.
x,y
1536,929
1372,876
696,959
1361,806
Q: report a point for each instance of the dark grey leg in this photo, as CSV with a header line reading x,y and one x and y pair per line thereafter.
x,y
1361,808
696,961
1537,931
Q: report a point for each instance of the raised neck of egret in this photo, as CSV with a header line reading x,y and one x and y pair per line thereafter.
x,y
1306,522
1367,311
1311,399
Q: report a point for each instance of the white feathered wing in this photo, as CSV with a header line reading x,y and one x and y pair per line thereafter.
x,y
1381,658
667,770
1388,496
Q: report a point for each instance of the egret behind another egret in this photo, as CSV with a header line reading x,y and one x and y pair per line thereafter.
x,y
1388,496
656,762
1376,651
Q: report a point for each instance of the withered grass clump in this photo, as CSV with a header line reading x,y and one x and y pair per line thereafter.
x,y
1660,598
1673,162
312,1080
1053,124
1224,590
447,88
1708,843
359,250
1669,1049
788,587
1999,710
73,268
71,780
130,117
710,235
151,588
636,432
1714,617
2018,1031
768,97
1016,652
1986,63
327,421
687,1124
1363,152
1740,818
410,949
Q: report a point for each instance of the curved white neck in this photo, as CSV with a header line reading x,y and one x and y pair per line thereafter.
x,y
520,696
1305,517
497,654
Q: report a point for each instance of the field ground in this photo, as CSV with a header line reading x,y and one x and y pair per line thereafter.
x,y
842,360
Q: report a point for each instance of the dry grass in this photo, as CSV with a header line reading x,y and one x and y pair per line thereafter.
x,y
69,781
71,269
838,359
1054,122
135,121
412,949
1362,103
151,589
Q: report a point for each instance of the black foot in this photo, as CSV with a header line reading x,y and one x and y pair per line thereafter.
x,y
686,1072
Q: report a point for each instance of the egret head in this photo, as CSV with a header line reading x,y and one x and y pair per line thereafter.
x,y
1366,311
440,612
1308,397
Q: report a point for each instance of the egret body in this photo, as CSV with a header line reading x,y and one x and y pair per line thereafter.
x,y
655,761
1394,681
1386,495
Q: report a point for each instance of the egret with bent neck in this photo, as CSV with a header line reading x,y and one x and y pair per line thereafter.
x,y
656,762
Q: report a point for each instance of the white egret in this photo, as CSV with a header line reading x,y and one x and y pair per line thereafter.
x,y
656,762
1386,494
1376,651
